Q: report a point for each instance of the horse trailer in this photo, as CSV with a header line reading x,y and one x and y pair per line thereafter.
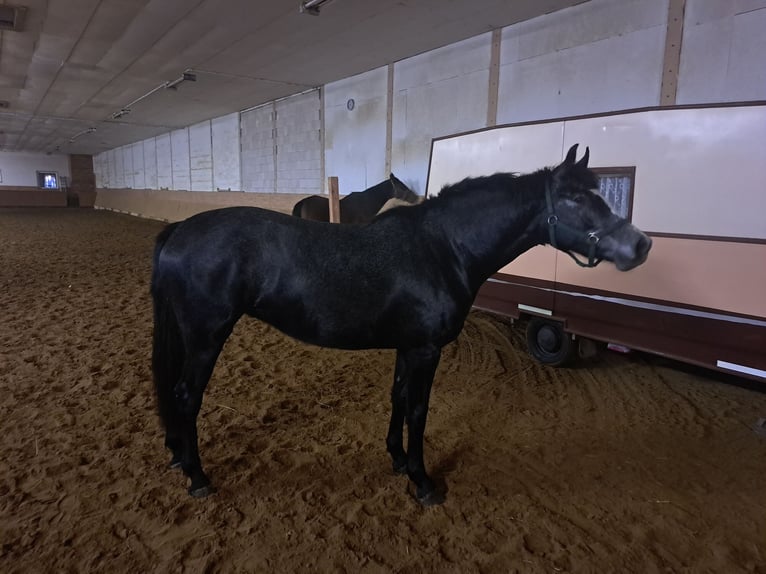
x,y
692,177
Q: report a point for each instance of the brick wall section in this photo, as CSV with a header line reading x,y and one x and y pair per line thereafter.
x,y
82,185
299,145
258,149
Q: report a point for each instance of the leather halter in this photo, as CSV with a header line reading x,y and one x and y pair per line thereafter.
x,y
591,237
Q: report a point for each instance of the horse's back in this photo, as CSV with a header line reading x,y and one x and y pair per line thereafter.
x,y
313,207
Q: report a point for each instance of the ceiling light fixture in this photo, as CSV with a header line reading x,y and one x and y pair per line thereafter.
x,y
312,6
82,133
119,114
187,76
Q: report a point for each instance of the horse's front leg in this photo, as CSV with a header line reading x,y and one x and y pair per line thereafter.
x,y
421,366
395,437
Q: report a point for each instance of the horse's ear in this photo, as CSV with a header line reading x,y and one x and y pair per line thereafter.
x,y
584,160
397,183
571,155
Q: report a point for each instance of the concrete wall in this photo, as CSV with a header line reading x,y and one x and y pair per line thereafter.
x,y
272,148
225,151
257,145
201,156
599,56
596,57
722,59
435,94
298,141
355,139
19,169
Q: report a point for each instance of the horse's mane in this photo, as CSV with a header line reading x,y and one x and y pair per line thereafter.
x,y
519,184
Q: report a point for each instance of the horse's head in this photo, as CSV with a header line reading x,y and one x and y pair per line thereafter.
x,y
401,191
579,220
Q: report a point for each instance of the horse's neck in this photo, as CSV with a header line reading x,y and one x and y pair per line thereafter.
x,y
490,230
381,192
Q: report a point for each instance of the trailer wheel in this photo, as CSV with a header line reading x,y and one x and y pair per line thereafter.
x,y
548,343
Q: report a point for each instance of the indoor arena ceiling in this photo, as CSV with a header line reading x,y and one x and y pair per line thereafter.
x,y
70,66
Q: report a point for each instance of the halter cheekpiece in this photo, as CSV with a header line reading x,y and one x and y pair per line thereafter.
x,y
591,237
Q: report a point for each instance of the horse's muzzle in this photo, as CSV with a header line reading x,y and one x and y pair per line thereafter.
x,y
637,255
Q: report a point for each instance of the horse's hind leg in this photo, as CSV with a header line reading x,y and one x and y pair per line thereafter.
x,y
395,437
201,355
174,444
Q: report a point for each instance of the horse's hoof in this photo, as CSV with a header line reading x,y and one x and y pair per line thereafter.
x,y
433,498
202,491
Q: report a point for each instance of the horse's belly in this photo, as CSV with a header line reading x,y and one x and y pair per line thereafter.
x,y
340,331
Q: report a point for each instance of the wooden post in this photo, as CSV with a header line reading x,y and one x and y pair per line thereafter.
x,y
494,78
332,189
672,58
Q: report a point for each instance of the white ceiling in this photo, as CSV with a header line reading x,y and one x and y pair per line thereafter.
x,y
77,62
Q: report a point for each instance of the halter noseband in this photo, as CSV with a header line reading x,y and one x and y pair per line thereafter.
x,y
592,237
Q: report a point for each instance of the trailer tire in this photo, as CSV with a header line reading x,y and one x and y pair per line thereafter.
x,y
549,343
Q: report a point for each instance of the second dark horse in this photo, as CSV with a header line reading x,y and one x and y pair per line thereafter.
x,y
406,281
356,207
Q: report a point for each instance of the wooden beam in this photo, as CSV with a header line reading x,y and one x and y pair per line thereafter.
x,y
494,78
389,117
672,58
332,189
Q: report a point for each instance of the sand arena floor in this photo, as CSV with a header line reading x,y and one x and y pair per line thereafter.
x,y
626,464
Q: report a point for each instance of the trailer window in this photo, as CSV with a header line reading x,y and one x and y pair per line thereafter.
x,y
616,187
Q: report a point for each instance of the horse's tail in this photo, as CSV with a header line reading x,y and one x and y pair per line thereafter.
x,y
167,345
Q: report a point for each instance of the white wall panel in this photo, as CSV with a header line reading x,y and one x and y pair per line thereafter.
x,y
226,160
201,157
355,140
119,168
98,170
150,164
299,144
179,141
20,168
139,173
112,163
722,56
257,150
437,93
164,162
127,158
596,57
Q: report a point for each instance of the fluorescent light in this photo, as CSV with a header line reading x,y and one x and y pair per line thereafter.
x,y
82,133
122,112
312,6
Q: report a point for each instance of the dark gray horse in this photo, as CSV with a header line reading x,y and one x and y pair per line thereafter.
x,y
406,281
358,206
